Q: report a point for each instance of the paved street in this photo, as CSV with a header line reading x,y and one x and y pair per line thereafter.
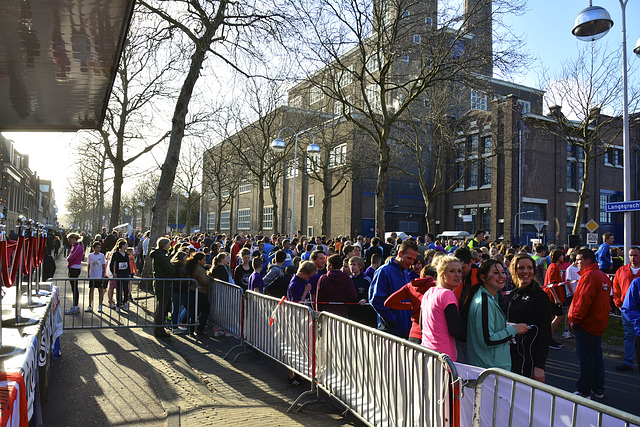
x,y
622,389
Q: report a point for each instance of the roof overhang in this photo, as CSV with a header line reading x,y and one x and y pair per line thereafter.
x,y
58,61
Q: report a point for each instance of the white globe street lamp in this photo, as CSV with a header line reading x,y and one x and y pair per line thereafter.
x,y
279,145
591,24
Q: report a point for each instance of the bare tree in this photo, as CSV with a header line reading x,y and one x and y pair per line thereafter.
x,y
428,148
220,28
588,87
142,80
373,60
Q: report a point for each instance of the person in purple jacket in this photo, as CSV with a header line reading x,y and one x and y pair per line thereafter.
x,y
74,264
335,286
299,286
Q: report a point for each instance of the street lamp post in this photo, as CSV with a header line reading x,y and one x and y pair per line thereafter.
x,y
279,145
590,25
515,219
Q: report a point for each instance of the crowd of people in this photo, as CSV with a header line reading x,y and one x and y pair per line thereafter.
x,y
483,303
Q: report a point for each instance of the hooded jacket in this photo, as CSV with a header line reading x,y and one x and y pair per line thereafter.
x,y
409,297
335,286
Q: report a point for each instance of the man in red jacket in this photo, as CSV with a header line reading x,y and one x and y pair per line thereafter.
x,y
624,277
589,316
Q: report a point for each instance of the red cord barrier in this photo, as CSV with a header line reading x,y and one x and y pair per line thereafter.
x,y
9,276
27,260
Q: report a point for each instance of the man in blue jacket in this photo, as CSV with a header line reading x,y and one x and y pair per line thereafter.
x,y
603,256
631,310
387,280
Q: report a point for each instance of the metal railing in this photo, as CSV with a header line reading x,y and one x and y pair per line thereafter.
x,y
138,313
289,339
513,400
226,303
383,379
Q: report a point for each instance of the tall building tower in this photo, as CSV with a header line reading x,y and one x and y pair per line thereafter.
x,y
478,21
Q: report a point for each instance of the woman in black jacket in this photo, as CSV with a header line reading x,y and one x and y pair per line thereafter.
x,y
531,305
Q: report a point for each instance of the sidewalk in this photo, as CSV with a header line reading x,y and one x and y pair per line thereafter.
x,y
127,376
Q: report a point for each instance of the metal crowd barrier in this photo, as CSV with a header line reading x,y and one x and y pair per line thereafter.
x,y
507,399
140,312
226,303
382,379
290,339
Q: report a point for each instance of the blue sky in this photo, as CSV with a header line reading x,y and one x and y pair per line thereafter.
x,y
547,27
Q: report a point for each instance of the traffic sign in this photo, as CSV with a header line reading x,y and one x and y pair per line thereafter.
x,y
592,226
592,238
633,205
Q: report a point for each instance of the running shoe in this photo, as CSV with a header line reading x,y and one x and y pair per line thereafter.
x,y
73,310
555,345
126,306
118,309
599,395
100,308
567,335
88,309
623,367
586,396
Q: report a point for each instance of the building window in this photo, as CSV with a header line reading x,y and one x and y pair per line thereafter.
x,y
613,157
296,102
486,219
338,156
265,182
315,95
473,175
459,219
416,38
290,169
372,63
409,226
224,192
245,186
211,221
312,201
406,14
428,21
478,100
310,231
405,57
486,171
460,175
225,224
575,167
539,211
313,163
607,196
525,106
373,97
267,218
345,78
244,219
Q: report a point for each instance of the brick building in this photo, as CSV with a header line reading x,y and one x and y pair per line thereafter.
x,y
22,192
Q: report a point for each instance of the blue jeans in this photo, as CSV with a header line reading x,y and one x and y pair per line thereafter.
x,y
629,341
179,299
589,352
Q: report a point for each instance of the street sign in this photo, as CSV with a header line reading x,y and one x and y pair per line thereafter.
x,y
633,205
538,226
467,218
592,226
592,238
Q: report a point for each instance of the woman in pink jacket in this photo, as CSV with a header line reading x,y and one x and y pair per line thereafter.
x,y
74,264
